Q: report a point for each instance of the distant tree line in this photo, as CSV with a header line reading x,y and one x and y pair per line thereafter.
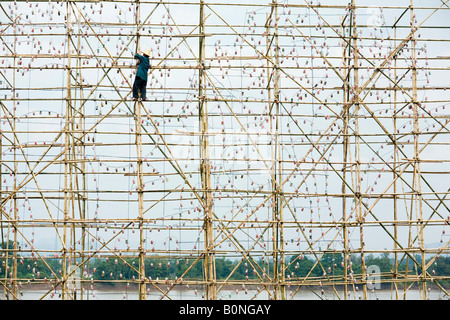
x,y
331,264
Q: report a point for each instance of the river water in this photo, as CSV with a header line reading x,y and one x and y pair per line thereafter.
x,y
181,294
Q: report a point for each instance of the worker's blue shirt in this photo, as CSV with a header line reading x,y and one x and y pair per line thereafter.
x,y
144,65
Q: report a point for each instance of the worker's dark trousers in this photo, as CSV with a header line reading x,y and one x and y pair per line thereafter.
x,y
140,85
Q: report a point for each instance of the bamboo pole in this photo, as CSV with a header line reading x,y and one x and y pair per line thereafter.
x,y
345,147
205,164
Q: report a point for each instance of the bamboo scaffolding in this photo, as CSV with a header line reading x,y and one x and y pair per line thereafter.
x,y
273,131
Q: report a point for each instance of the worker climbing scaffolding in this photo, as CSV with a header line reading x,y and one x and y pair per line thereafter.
x,y
140,82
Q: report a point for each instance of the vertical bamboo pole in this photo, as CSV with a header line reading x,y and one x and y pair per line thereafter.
x,y
417,175
205,166
16,142
80,149
140,181
72,172
66,153
280,292
273,96
345,146
357,187
395,197
82,166
140,192
269,70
